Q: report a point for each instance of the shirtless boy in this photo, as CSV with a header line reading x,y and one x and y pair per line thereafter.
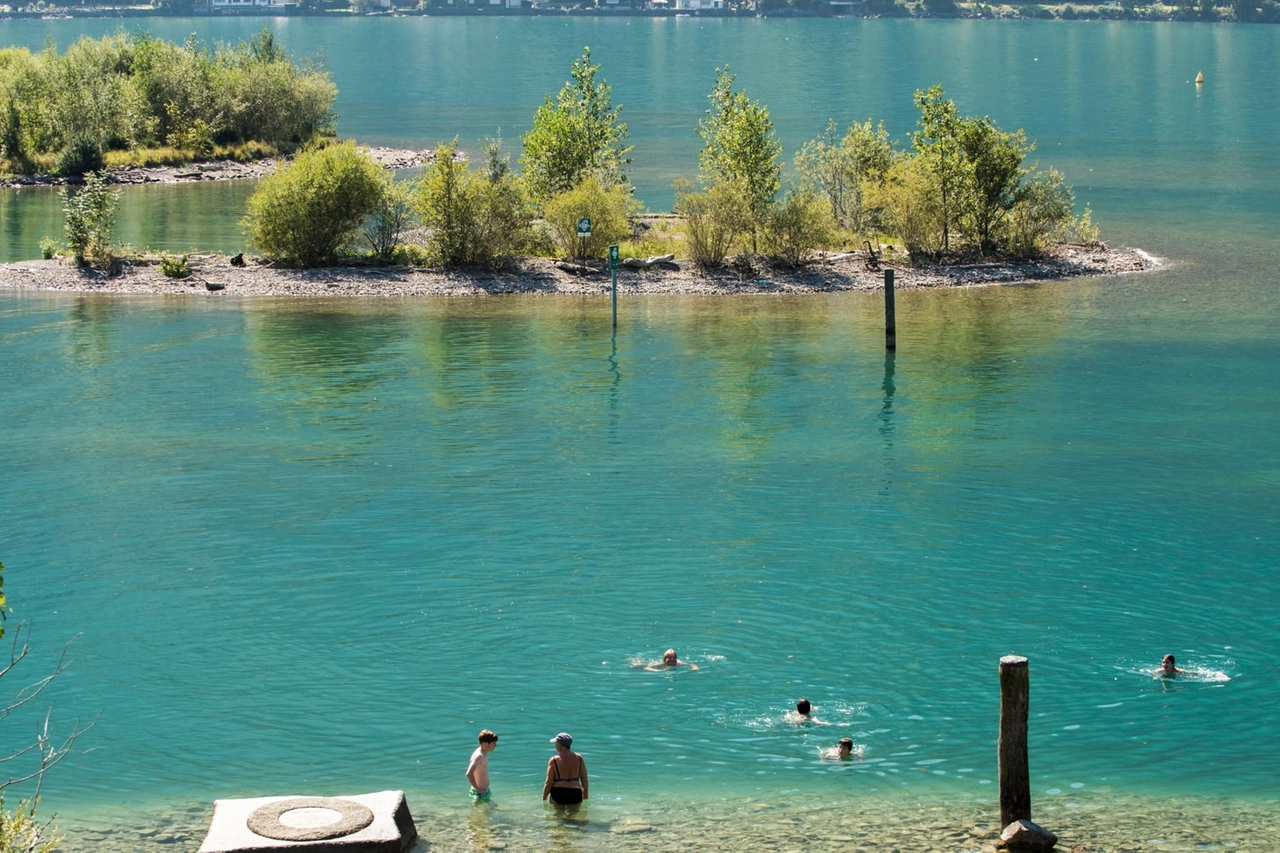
x,y
478,769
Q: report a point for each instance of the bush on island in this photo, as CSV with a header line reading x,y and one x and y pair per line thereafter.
x,y
714,219
798,226
310,210
609,210
477,217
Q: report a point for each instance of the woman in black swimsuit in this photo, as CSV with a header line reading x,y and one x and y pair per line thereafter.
x,y
566,774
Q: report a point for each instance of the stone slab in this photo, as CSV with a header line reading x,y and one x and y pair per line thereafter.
x,y
345,819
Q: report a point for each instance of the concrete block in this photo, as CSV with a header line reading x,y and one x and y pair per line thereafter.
x,y
362,823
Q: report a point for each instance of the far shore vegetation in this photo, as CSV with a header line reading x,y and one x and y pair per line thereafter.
x,y
1242,11
131,99
962,190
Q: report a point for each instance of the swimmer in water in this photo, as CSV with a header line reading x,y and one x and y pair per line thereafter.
x,y
1169,668
842,751
803,715
670,661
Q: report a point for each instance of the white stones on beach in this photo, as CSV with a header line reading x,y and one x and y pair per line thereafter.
x,y
362,823
538,276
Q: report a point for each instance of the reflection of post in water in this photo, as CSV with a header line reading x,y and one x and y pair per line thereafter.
x,y
613,368
886,407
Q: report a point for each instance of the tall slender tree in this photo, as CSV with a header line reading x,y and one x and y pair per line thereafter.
x,y
576,135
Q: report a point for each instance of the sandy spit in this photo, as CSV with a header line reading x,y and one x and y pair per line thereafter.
x,y
214,275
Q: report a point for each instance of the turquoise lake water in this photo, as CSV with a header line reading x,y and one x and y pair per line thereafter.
x,y
314,546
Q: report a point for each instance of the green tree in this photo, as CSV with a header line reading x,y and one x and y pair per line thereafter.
x,y
836,168
89,213
1044,205
740,146
576,135
477,217
909,199
995,172
311,209
937,145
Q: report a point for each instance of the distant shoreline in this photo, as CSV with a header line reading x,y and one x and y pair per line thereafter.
x,y
213,276
1065,11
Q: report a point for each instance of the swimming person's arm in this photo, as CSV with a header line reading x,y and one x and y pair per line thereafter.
x,y
582,765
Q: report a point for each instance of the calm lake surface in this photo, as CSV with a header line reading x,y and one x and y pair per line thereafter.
x,y
313,547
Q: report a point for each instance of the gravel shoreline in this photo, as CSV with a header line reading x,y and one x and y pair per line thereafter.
x,y
214,276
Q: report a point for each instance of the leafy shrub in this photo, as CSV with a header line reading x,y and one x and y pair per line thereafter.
x,y
798,226
383,229
908,199
174,267
714,218
477,218
311,209
48,248
1043,207
82,156
90,219
608,209
21,832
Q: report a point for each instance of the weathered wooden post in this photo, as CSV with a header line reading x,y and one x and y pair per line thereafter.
x,y
890,320
1015,778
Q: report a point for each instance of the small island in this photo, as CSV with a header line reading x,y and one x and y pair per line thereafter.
x,y
958,207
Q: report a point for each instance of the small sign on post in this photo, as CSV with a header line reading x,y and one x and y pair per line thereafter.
x,y
613,279
584,231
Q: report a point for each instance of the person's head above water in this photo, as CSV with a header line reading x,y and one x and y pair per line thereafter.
x,y
803,708
1169,665
670,658
845,747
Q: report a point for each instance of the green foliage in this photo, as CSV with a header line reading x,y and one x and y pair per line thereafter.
x,y
174,266
994,165
1044,205
130,91
477,218
21,832
307,212
912,209
81,156
89,213
885,9
799,226
575,136
836,169
383,230
609,209
937,146
48,250
714,218
740,146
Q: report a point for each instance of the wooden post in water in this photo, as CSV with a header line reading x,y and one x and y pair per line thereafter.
x,y
1015,778
890,319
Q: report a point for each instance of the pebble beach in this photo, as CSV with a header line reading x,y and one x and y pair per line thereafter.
x,y
215,276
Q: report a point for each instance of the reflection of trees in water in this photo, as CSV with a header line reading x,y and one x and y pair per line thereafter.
x,y
754,347
321,357
89,338
969,357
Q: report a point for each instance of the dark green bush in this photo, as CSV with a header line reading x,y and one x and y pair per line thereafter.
x,y
82,156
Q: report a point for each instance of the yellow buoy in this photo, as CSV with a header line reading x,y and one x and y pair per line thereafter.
x,y
1200,79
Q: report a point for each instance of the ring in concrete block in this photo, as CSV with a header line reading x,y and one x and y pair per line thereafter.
x,y
314,822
